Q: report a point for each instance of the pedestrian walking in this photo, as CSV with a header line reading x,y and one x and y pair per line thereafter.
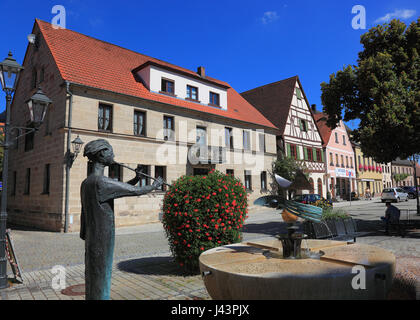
x,y
368,195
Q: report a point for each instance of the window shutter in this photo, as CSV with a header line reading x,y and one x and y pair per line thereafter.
x,y
289,153
297,153
322,155
314,153
305,152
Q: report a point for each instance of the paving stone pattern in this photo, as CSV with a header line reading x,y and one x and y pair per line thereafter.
x,y
144,269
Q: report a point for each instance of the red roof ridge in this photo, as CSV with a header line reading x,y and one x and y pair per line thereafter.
x,y
94,63
271,84
150,58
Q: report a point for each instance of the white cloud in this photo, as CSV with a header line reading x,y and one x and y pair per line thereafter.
x,y
398,14
269,16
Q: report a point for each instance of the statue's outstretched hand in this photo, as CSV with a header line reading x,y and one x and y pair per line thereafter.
x,y
157,184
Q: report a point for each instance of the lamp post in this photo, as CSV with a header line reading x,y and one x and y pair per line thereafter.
x,y
415,161
38,104
70,157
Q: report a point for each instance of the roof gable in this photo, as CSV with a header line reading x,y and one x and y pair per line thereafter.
x,y
273,100
324,130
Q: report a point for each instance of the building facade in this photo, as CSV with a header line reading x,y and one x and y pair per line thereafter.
x,y
341,173
386,175
286,105
402,173
368,173
169,120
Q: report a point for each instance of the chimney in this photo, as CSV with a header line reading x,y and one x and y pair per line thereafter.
x,y
313,107
201,71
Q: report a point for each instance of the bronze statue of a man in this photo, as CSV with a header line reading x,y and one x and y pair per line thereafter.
x,y
97,219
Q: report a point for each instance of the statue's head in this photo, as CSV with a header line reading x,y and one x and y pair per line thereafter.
x,y
99,151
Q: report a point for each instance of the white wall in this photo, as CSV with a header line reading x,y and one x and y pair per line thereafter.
x,y
152,77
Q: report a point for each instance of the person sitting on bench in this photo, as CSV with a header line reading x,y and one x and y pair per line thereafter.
x,y
392,217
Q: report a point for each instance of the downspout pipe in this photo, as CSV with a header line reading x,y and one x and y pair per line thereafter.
x,y
67,157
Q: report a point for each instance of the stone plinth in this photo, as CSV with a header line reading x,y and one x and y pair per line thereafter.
x,y
252,271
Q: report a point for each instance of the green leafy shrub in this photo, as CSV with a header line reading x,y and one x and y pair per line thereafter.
x,y
334,214
203,212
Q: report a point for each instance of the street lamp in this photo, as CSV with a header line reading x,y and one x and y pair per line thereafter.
x,y
38,105
9,75
77,147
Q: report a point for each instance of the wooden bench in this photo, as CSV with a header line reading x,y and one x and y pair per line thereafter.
x,y
334,229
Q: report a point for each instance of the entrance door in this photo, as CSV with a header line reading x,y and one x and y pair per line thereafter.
x,y
320,187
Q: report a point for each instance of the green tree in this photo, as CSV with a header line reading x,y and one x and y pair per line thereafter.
x,y
398,177
287,167
382,90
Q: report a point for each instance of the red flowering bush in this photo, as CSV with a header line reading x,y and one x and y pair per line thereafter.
x,y
203,212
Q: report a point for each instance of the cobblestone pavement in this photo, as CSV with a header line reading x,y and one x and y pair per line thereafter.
x,y
155,278
144,268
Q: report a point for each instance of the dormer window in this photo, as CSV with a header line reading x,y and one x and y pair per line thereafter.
x,y
183,84
214,99
192,93
168,86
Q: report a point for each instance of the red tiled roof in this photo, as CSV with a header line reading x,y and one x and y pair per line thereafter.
x,y
91,62
273,100
324,130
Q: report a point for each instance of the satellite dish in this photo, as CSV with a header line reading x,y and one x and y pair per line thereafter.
x,y
284,183
31,38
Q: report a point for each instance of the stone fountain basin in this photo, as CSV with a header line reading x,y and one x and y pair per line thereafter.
x,y
245,271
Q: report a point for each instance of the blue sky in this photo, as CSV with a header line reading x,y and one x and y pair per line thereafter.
x,y
246,43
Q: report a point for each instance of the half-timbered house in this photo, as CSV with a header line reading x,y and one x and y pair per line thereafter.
x,y
286,105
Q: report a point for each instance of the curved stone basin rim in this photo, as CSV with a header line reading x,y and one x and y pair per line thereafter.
x,y
229,268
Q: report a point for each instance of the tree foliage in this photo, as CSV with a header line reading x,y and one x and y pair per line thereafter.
x,y
398,177
287,167
382,90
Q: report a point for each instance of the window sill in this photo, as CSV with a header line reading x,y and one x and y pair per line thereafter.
x,y
215,105
45,194
193,100
168,93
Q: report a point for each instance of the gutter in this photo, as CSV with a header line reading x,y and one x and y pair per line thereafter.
x,y
196,112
